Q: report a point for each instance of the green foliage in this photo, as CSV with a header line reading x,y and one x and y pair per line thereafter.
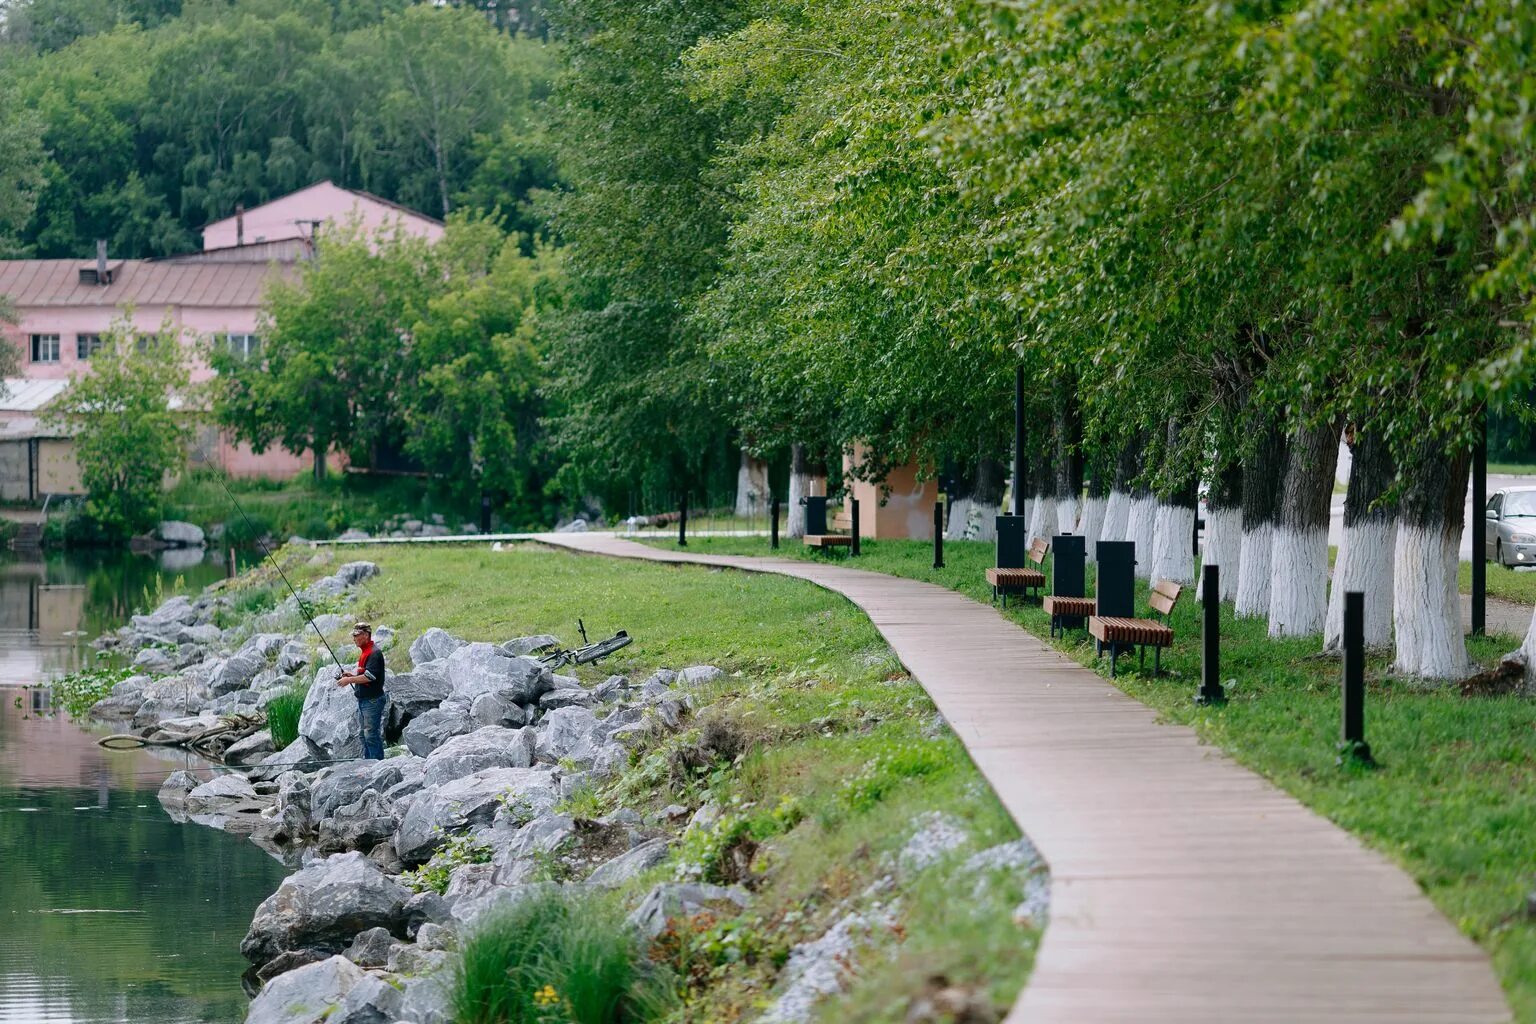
x,y
77,691
557,958
283,713
435,874
889,769
127,439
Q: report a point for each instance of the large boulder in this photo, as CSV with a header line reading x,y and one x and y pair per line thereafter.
x,y
484,668
530,644
165,622
354,573
419,690
329,719
675,900
324,906
496,709
182,535
569,735
307,994
518,854
154,660
298,756
223,794
338,785
434,645
371,1001
237,672
360,825
431,729
462,803
631,864
487,747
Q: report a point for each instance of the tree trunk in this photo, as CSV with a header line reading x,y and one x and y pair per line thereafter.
x,y
1298,576
319,467
1426,600
974,516
1364,561
1263,472
1068,489
1117,510
799,487
1224,526
1094,507
1042,476
1173,549
751,487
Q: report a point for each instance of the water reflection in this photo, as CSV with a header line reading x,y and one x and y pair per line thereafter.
x,y
110,911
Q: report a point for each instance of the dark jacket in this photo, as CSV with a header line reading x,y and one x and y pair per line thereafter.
x,y
373,668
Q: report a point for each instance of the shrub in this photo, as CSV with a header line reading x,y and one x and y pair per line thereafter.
x,y
283,715
77,691
558,957
435,875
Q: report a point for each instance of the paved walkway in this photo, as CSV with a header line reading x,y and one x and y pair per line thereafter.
x,y
1184,888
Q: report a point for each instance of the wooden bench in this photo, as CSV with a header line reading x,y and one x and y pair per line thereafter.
x,y
1020,581
842,521
1115,632
1063,609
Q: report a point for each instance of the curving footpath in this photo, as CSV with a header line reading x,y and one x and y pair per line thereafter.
x,y
1184,887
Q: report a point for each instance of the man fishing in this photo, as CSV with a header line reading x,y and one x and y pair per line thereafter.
x,y
368,687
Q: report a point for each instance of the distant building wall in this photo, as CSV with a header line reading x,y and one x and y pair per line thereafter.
x,y
293,216
906,512
15,471
57,470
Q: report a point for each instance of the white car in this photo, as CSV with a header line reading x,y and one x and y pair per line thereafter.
x,y
1511,515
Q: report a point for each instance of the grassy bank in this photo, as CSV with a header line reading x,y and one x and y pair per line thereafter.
x,y
1455,801
819,751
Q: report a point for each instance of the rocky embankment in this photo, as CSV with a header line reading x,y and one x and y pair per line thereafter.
x,y
490,748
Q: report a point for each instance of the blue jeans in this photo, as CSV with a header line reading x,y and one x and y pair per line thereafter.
x,y
370,722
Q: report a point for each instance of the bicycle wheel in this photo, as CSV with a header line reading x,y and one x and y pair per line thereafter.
x,y
603,648
557,659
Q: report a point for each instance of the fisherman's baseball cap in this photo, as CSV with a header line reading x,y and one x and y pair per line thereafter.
x,y
362,627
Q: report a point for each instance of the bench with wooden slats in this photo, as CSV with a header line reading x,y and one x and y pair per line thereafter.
x,y
842,521
1061,609
1115,632
1020,581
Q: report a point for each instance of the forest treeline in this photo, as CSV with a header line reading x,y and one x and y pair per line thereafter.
x,y
1213,238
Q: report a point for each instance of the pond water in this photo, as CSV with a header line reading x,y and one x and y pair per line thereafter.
x,y
109,910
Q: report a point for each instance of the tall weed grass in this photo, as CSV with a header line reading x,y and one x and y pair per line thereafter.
x,y
283,715
555,957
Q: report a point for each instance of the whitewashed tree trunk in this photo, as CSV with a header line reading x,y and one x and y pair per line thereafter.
x,y
1527,653
1068,511
1092,523
1173,550
799,487
1426,604
751,487
1042,517
959,515
1298,567
1263,472
1117,514
1224,548
1253,577
1141,530
1366,549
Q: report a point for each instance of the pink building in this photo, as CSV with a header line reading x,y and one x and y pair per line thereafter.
x,y
65,306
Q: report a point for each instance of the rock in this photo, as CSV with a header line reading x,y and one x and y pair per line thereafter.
x,y
329,719
469,912
671,712
698,675
124,702
330,622
469,881
481,668
488,747
823,967
569,734
371,1001
530,644
305,995
577,698
943,1003
427,999
610,759
609,689
431,729
472,800
220,794
298,756
937,835
354,573
184,535
663,676
434,645
251,749
631,864
166,621
324,906
292,657
293,801
577,525
421,689
154,660
290,961
434,936
174,790
425,908
340,784
495,709
668,900
237,672
353,533
371,948
205,634
518,854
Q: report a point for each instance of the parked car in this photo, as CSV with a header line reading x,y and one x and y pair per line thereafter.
x,y
1511,515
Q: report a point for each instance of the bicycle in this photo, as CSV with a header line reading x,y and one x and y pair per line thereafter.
x,y
587,653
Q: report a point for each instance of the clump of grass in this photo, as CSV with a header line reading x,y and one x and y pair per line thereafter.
x,y
77,691
558,957
283,714
245,603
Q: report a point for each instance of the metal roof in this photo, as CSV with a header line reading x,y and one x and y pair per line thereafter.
x,y
138,283
26,395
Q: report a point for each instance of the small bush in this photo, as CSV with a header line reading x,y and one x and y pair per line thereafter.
x,y
283,715
563,958
77,691
243,531
435,874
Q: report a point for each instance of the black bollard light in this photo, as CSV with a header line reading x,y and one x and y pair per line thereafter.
x,y
1354,749
938,536
853,549
773,507
1211,692
682,521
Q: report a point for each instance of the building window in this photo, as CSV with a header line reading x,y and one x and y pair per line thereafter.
x,y
243,346
45,348
87,345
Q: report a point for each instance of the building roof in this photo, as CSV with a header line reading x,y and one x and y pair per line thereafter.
x,y
23,394
326,186
138,283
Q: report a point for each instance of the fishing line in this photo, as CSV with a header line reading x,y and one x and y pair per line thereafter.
x,y
268,554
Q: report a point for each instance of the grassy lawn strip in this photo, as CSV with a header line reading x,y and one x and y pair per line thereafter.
x,y
1504,584
1454,804
819,750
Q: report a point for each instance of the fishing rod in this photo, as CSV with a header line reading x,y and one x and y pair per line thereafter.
x,y
303,605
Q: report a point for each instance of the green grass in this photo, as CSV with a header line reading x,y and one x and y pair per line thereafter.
x,y
1512,468
283,715
1504,584
1455,800
558,956
820,751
